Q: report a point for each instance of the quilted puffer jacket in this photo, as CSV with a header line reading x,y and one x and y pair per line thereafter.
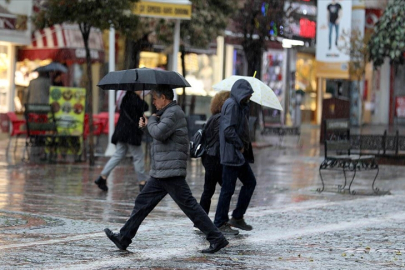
x,y
170,142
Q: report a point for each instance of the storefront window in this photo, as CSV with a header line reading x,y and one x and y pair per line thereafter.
x,y
305,86
4,76
24,73
272,75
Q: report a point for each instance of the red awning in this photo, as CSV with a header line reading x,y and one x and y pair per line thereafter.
x,y
63,43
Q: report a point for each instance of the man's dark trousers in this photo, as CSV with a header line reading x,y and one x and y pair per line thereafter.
x,y
153,192
229,176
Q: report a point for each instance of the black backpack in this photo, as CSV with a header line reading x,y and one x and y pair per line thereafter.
x,y
198,144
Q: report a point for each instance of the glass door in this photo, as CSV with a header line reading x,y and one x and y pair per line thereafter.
x,y
4,76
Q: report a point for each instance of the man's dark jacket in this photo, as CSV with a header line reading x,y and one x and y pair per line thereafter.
x,y
235,125
127,130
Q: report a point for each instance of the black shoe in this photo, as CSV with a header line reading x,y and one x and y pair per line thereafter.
x,y
240,224
216,246
101,183
227,230
114,237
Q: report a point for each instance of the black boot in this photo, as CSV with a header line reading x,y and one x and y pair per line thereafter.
x,y
101,183
115,238
216,246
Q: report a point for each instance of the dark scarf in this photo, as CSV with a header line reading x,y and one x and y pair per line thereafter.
x,y
161,111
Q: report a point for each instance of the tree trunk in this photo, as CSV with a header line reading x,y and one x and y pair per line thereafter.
x,y
89,93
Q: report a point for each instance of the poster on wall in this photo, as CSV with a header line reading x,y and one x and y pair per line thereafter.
x,y
68,104
272,75
334,18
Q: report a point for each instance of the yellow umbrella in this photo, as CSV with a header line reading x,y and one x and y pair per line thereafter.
x,y
262,94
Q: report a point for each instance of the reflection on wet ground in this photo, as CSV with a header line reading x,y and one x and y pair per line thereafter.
x,y
58,209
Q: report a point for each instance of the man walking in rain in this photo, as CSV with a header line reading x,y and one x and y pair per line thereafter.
x,y
168,128
236,153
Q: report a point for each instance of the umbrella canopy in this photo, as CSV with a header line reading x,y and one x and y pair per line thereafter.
x,y
262,94
54,66
141,79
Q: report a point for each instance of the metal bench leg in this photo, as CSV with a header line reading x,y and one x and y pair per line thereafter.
x,y
351,182
375,189
323,184
342,188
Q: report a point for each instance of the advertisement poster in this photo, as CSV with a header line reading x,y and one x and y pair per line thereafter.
x,y
334,18
272,75
68,104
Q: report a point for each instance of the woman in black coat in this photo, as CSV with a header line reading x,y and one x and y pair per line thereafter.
x,y
127,136
211,158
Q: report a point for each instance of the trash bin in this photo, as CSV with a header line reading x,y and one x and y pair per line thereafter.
x,y
334,108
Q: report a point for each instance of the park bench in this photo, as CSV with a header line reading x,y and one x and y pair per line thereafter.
x,y
339,155
272,125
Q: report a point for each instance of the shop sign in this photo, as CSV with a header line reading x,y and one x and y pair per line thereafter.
x,y
162,10
68,104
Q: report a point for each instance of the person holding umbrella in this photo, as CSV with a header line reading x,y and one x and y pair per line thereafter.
x,y
168,128
127,136
235,153
38,89
211,158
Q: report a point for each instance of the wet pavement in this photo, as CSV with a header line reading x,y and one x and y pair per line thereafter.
x,y
52,216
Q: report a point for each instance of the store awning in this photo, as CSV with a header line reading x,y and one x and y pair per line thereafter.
x,y
63,43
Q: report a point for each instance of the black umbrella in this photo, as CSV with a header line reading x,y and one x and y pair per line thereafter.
x,y
141,79
54,66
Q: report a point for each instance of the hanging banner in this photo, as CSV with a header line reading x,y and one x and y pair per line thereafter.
x,y
334,18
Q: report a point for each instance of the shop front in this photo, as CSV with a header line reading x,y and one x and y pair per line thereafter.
x,y
305,87
14,31
63,44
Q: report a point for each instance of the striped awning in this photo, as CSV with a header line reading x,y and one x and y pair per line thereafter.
x,y
63,43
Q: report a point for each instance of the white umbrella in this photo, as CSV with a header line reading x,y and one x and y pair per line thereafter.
x,y
262,94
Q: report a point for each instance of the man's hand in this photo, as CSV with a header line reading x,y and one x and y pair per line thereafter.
x,y
242,150
143,121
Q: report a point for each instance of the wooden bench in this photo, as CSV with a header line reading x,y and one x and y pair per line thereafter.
x,y
339,156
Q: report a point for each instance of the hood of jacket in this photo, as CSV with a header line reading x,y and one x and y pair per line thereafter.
x,y
241,89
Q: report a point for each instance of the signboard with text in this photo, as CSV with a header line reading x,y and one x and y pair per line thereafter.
x,y
163,9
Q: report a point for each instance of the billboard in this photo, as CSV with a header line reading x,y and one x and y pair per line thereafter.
x,y
334,18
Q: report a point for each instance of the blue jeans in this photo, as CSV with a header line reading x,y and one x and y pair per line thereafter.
x,y
153,192
229,177
336,32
